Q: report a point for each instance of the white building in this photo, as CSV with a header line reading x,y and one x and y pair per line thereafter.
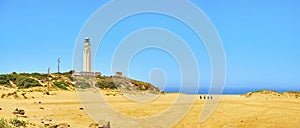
x,y
87,55
86,61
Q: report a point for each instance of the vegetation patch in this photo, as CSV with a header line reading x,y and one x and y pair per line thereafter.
x,y
17,123
25,82
65,81
5,78
20,80
12,123
62,84
38,76
110,85
82,85
4,123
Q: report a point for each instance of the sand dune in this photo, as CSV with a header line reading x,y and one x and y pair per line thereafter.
x,y
63,107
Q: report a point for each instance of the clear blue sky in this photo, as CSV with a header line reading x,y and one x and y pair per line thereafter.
x,y
261,40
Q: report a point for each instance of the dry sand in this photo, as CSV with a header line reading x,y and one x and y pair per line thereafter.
x,y
232,111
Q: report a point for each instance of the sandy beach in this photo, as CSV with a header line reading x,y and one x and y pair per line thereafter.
x,y
233,111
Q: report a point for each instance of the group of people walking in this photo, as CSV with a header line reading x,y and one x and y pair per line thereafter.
x,y
205,97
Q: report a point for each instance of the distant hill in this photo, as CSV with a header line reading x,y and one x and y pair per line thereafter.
x,y
66,81
272,94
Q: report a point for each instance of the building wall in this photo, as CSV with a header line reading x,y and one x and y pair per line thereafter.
x,y
87,57
119,74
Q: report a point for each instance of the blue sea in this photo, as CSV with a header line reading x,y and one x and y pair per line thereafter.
x,y
231,90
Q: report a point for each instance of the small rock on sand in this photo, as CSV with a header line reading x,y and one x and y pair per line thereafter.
x,y
3,95
52,125
19,111
101,124
63,125
104,124
93,125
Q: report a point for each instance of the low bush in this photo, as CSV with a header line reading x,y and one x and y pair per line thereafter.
x,y
17,123
62,85
82,85
5,78
25,82
110,85
4,123
12,123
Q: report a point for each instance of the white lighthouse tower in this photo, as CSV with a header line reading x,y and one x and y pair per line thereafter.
x,y
87,55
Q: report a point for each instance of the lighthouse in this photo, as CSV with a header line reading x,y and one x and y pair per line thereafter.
x,y
87,55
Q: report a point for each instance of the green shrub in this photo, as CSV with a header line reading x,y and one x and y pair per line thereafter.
x,y
22,81
62,85
38,76
104,84
25,82
17,123
5,78
4,82
82,85
4,123
68,73
141,85
101,77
